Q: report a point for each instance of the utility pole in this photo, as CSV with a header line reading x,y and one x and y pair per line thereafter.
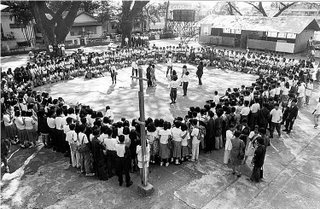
x,y
146,188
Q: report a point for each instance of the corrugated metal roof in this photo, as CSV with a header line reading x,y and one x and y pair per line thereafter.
x,y
288,24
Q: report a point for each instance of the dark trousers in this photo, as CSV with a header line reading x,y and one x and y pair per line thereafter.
x,y
275,126
199,77
111,155
256,174
134,71
185,88
289,124
173,94
122,168
169,70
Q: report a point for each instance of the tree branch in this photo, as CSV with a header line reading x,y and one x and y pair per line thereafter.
x,y
234,8
284,8
259,8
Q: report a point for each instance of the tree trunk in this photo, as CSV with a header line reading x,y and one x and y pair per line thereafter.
x,y
127,26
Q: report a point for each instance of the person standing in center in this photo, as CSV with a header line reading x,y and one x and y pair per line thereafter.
x,y
185,80
200,72
173,85
276,118
258,160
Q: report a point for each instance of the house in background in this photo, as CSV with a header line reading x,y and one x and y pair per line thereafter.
x,y
84,28
12,35
282,34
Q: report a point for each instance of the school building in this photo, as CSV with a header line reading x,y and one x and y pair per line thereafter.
x,y
281,34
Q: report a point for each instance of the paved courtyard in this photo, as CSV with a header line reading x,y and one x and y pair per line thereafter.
x,y
41,178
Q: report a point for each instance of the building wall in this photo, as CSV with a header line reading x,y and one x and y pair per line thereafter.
x,y
302,39
75,39
16,32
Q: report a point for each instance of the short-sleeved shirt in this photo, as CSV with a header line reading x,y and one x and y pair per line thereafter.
x,y
276,115
194,135
82,138
164,136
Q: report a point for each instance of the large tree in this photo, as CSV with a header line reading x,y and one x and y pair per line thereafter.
x,y
281,8
130,10
54,26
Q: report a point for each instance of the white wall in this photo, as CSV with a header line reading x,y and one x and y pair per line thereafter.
x,y
84,18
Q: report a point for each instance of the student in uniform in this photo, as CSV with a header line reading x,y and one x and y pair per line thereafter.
x,y
123,162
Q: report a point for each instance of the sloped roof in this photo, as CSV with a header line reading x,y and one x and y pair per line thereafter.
x,y
288,24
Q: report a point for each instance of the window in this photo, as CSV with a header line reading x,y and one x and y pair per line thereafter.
x,y
272,34
216,31
282,35
291,35
91,29
226,30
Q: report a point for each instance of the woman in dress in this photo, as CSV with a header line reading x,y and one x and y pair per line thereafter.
x,y
236,153
164,137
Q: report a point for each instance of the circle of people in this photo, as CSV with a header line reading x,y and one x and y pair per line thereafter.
x,y
241,121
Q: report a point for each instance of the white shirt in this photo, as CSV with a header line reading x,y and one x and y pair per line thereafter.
x,y
109,114
83,139
51,122
139,153
194,135
255,107
29,122
110,143
176,134
309,89
71,137
184,141
301,90
276,115
164,136
59,123
245,111
6,120
121,149
229,136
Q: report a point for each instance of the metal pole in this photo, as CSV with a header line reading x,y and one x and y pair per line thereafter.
x,y
142,128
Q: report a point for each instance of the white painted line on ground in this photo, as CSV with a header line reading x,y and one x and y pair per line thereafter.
x,y
13,154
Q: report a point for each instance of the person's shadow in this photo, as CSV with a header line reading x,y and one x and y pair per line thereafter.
x,y
111,89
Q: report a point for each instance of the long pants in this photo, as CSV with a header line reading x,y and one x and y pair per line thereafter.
x,y
75,158
256,174
195,151
300,102
185,88
316,119
122,167
173,94
199,77
134,71
218,143
307,99
111,156
85,162
275,126
289,124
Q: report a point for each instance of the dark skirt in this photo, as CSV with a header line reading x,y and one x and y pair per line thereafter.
x,y
176,149
164,151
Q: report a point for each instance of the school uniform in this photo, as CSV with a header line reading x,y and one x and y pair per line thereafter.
x,y
123,163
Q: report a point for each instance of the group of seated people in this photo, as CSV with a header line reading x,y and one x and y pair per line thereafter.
x,y
28,114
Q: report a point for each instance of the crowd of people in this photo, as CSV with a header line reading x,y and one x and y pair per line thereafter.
x,y
241,120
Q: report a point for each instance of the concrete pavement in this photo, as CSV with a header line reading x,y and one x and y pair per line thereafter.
x,y
41,178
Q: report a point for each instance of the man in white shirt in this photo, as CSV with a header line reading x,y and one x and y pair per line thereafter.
x,y
216,98
109,113
173,85
301,93
309,89
134,68
276,118
195,140
122,162
316,114
185,80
